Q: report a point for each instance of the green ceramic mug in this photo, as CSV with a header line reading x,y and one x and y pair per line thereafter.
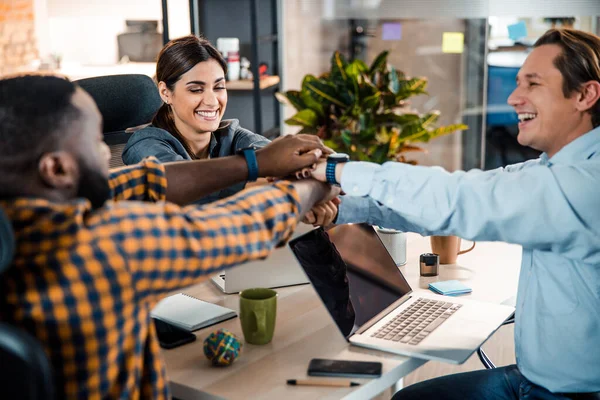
x,y
258,309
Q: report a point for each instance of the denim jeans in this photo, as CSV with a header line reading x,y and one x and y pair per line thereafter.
x,y
491,384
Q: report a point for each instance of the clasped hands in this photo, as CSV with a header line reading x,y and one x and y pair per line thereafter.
x,y
325,213
302,156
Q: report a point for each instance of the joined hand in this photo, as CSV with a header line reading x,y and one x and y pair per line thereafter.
x,y
288,154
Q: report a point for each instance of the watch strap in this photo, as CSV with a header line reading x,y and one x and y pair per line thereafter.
x,y
250,156
330,173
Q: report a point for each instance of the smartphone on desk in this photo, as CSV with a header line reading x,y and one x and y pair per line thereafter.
x,y
170,336
339,368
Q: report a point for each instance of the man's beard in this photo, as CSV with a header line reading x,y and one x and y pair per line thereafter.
x,y
93,186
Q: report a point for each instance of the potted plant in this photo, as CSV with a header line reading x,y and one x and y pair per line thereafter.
x,y
565,22
364,111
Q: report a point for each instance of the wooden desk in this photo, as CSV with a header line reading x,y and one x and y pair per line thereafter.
x,y
305,330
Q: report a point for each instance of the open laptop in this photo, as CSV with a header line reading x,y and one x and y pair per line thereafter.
x,y
279,269
374,306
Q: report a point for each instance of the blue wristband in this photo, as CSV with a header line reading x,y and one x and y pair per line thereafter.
x,y
332,161
250,156
330,173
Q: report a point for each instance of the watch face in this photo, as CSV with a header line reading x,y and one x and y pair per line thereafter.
x,y
338,157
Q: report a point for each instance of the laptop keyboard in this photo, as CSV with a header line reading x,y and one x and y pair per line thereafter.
x,y
416,322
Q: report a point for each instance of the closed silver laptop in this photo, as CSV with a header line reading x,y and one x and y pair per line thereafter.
x,y
279,269
375,307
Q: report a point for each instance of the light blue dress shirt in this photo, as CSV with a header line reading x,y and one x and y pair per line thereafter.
x,y
551,207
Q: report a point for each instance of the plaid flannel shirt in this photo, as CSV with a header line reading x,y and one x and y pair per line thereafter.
x,y
84,281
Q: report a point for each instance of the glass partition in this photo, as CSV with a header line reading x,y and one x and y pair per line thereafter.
x,y
470,52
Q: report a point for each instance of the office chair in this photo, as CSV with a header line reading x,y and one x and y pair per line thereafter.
x,y
485,360
25,371
125,101
7,242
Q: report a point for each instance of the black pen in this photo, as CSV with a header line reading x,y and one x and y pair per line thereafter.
x,y
322,382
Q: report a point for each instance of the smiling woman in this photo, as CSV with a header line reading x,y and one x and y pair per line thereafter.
x,y
189,125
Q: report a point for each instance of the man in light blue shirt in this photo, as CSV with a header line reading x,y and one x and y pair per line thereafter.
x,y
550,206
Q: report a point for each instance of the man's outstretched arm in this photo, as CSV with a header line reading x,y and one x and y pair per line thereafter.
x,y
545,207
188,181
169,247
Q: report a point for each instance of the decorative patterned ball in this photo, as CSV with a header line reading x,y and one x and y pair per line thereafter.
x,y
222,347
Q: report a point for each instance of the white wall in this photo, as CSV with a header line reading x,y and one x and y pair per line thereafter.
x,y
40,16
86,32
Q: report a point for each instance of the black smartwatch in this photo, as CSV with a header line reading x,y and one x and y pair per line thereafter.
x,y
333,160
249,154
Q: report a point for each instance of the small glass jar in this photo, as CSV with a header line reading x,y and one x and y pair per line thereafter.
x,y
429,264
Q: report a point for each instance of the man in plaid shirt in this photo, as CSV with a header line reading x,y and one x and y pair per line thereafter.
x,y
96,250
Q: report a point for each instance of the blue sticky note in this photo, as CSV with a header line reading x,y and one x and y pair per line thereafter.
x,y
517,31
391,31
449,288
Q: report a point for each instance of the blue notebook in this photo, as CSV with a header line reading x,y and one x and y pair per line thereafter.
x,y
450,288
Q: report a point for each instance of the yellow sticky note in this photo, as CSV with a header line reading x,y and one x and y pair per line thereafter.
x,y
453,42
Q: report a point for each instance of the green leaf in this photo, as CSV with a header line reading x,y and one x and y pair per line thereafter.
x,y
291,97
311,131
367,88
356,68
326,92
366,122
346,136
311,103
394,84
429,119
332,144
338,68
371,102
446,130
382,135
411,87
388,101
307,118
411,132
308,79
380,153
379,63
347,97
362,67
393,119
362,155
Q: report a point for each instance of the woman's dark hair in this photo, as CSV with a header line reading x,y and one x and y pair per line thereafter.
x,y
578,63
175,59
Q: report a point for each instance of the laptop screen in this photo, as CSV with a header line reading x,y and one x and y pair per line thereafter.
x,y
352,272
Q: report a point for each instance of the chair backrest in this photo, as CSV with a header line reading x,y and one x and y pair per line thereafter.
x,y
7,242
25,371
125,101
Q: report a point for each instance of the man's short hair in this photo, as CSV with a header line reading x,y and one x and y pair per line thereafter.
x,y
35,114
579,61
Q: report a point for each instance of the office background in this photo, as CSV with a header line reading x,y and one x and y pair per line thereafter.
x,y
82,40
